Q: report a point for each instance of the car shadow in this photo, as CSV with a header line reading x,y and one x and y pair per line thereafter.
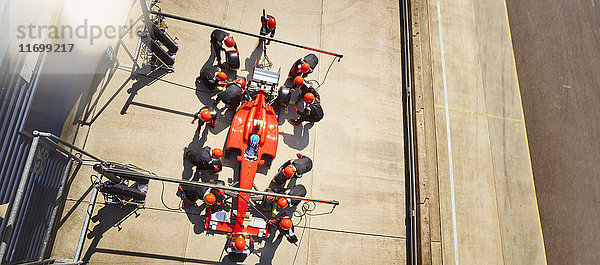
x,y
204,95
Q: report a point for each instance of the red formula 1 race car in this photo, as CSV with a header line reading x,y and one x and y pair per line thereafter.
x,y
253,136
254,133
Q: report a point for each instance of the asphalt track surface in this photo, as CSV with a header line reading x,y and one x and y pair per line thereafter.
x,y
557,53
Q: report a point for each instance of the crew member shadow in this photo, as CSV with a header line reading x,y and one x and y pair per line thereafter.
x,y
202,92
204,95
267,252
196,143
300,139
285,114
193,213
224,118
251,61
211,58
109,216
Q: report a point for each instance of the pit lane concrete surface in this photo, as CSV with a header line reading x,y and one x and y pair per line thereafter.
x,y
357,148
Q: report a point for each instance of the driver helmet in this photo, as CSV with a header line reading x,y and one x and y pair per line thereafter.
x,y
254,139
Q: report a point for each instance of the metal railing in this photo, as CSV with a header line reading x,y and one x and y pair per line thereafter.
x,y
30,222
15,103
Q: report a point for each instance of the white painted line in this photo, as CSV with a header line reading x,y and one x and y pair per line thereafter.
x,y
454,231
593,3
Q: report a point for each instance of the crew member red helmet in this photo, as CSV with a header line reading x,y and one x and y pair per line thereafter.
x,y
304,67
229,42
271,23
241,81
205,115
309,97
217,153
289,171
210,199
221,76
285,223
240,243
298,81
282,203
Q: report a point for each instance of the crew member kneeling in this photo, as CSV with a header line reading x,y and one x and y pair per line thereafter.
x,y
313,112
268,27
285,227
212,77
233,94
204,158
220,41
208,116
304,66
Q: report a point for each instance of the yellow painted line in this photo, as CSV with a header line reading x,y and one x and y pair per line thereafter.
x,y
480,114
525,131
